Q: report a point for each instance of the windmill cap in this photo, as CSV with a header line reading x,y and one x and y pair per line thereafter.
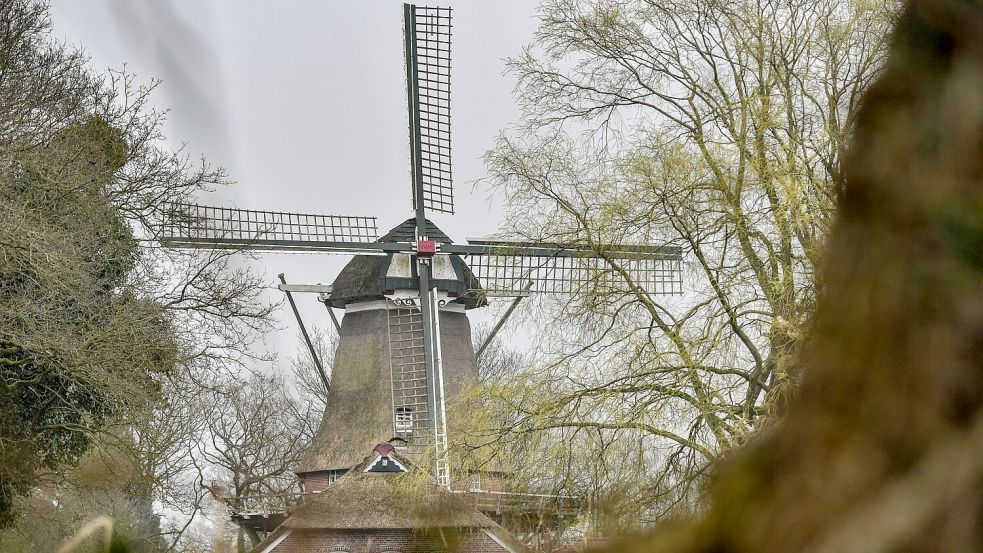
x,y
366,277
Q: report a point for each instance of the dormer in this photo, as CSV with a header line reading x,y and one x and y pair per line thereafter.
x,y
385,460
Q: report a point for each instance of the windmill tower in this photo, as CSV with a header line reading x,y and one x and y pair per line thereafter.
x,y
379,385
405,339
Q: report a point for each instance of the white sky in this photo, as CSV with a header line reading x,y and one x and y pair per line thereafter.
x,y
303,104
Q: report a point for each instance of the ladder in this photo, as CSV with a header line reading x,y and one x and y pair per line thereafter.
x,y
409,378
442,464
412,419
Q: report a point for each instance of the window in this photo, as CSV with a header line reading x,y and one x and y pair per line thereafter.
x,y
334,475
404,420
475,479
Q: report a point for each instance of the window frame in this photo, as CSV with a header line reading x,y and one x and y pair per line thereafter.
x,y
403,420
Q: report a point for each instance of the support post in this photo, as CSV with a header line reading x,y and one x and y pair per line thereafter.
x,y
323,298
501,322
307,338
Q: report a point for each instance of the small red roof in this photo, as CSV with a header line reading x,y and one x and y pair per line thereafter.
x,y
384,449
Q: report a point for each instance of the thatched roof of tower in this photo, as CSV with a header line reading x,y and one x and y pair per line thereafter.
x,y
359,412
373,500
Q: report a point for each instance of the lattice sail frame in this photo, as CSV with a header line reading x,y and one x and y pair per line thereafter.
x,y
428,61
192,225
507,275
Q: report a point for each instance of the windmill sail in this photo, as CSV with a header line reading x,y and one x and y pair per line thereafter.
x,y
427,36
198,226
508,275
428,74
505,268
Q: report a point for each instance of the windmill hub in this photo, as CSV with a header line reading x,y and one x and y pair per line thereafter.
x,y
425,249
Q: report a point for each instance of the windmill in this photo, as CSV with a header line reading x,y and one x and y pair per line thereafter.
x,y
421,270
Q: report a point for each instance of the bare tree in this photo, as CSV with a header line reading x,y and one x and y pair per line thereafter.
x,y
309,383
498,359
256,432
714,126
163,441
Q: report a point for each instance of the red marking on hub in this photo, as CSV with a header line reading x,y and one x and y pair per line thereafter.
x,y
426,248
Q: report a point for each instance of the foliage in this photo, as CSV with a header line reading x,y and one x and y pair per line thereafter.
x,y
98,324
106,481
714,126
879,450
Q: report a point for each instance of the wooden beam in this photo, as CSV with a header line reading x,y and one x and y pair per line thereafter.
x,y
311,288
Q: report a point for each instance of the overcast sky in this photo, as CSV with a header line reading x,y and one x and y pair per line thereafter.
x,y
303,104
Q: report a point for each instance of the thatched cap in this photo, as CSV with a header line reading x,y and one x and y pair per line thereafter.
x,y
363,278
406,232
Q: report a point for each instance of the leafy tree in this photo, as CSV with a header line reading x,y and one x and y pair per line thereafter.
x,y
78,347
96,320
715,126
879,450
